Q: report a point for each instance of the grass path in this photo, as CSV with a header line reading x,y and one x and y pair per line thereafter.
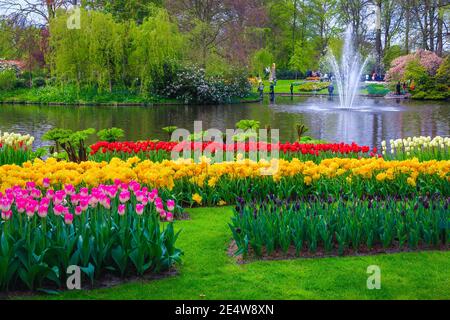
x,y
208,272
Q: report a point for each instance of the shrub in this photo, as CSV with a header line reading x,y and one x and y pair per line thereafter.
x,y
427,59
334,226
377,89
8,79
110,135
193,86
313,86
443,73
39,82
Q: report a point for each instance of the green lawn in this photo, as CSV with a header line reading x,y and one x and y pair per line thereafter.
x,y
207,271
284,86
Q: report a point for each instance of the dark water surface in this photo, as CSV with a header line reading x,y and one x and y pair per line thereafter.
x,y
368,123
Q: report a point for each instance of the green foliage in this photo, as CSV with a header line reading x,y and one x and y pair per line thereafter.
x,y
111,134
301,129
261,59
73,143
170,130
305,57
8,79
427,87
36,252
105,53
252,125
392,53
443,73
334,226
377,89
157,45
39,82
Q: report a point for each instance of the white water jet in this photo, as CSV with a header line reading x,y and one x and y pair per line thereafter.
x,y
348,72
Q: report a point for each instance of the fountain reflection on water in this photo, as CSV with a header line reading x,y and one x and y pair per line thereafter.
x,y
348,72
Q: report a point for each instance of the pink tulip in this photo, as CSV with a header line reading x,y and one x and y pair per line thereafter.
x,y
30,209
35,193
106,202
30,185
58,209
84,192
84,204
117,182
140,209
124,196
152,196
6,215
123,186
75,199
170,205
163,214
42,211
46,183
140,196
5,204
159,208
44,202
50,194
78,211
70,189
21,205
169,216
68,218
93,201
121,210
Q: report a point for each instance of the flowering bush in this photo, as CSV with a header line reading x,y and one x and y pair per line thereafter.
x,y
15,148
423,148
429,60
192,85
110,228
337,226
158,151
224,181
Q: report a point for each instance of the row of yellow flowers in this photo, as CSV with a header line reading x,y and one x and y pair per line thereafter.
x,y
166,173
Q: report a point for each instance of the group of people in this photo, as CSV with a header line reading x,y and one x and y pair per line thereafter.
x,y
374,77
402,88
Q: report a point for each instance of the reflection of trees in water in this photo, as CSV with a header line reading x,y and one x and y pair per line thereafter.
x,y
146,122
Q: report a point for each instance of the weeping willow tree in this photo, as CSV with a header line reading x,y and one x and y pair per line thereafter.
x,y
157,44
105,53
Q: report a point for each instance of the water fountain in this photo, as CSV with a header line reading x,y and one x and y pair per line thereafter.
x,y
348,72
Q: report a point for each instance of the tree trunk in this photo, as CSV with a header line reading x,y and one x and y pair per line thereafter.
x,y
440,27
407,27
425,27
378,46
432,11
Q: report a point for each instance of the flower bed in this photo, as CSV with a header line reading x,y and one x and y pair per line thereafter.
x,y
225,181
158,151
423,148
15,148
341,226
108,229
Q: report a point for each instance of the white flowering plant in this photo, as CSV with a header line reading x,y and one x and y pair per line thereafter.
x,y
15,148
423,148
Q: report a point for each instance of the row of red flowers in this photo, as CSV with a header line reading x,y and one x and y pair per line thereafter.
x,y
148,146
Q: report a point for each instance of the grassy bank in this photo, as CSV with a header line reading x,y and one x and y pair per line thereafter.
x,y
69,95
208,272
284,87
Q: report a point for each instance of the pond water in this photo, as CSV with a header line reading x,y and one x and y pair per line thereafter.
x,y
368,123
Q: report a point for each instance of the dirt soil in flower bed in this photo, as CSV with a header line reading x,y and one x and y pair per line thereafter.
x,y
320,253
107,281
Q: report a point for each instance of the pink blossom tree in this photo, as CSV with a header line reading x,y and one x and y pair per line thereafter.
x,y
429,60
